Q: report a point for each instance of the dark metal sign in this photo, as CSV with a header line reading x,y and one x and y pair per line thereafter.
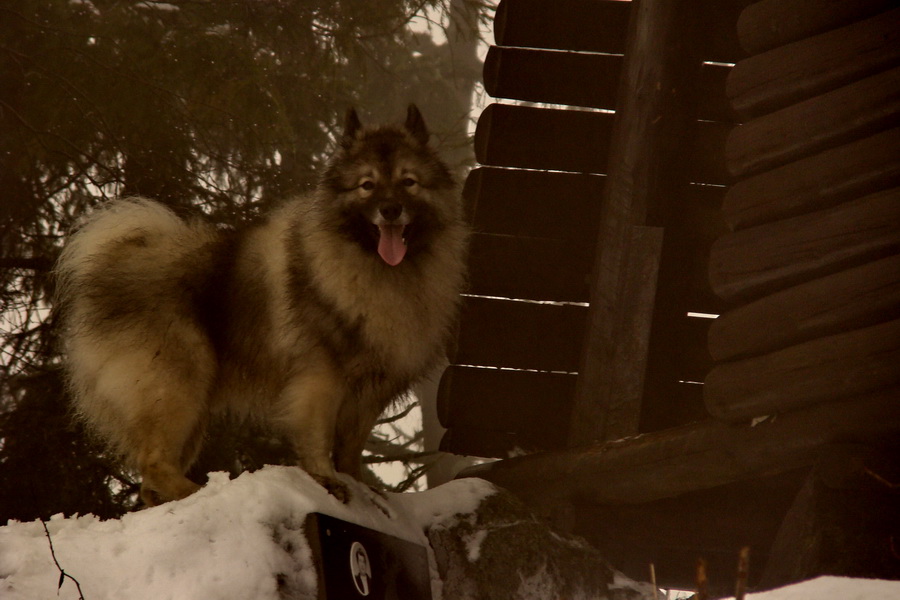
x,y
357,562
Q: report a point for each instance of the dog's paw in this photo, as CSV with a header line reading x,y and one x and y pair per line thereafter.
x,y
160,492
335,487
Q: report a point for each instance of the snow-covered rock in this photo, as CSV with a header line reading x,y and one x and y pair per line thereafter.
x,y
244,538
501,551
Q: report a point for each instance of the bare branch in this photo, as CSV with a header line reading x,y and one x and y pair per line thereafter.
x,y
62,573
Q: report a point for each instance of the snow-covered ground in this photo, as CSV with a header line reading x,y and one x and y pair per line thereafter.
x,y
218,543
834,588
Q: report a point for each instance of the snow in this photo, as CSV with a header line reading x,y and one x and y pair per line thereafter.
x,y
217,543
473,545
839,588
235,538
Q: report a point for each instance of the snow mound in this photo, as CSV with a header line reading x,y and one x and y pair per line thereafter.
x,y
243,538
217,543
837,588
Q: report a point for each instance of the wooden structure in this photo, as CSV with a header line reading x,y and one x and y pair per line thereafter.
x,y
750,169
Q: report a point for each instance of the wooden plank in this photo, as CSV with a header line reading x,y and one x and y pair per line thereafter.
x,y
578,141
529,268
623,367
536,138
830,368
520,335
585,25
771,23
700,456
512,401
587,80
572,78
767,258
601,26
563,206
856,110
855,298
816,182
815,65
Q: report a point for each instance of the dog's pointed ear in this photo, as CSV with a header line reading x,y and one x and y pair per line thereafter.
x,y
415,124
352,125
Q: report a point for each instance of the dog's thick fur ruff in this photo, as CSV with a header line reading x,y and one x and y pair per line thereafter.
x,y
314,319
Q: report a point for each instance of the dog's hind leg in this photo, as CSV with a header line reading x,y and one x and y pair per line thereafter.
x,y
153,402
168,446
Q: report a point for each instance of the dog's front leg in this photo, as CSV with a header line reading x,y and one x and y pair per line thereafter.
x,y
309,408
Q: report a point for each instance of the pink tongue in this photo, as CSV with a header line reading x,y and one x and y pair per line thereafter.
x,y
390,244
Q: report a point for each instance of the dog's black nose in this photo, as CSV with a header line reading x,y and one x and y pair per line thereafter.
x,y
391,212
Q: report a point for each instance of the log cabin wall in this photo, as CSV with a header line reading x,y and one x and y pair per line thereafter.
x,y
537,204
786,225
813,258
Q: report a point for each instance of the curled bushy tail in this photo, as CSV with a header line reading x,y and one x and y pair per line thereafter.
x,y
124,258
127,283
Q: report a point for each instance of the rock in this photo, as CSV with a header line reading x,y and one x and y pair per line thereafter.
x,y
502,551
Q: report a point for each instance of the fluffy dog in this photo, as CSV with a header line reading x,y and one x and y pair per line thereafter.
x,y
315,319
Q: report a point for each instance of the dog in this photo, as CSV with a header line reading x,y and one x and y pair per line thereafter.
x,y
312,320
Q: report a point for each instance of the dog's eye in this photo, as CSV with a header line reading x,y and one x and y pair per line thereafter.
x,y
367,185
408,182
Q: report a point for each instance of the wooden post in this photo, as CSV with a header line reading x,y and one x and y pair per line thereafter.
x,y
651,122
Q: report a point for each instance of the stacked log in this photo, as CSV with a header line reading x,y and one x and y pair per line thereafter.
x,y
813,258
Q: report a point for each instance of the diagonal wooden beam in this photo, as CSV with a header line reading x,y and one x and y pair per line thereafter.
x,y
645,169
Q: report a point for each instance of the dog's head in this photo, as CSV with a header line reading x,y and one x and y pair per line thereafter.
x,y
387,190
